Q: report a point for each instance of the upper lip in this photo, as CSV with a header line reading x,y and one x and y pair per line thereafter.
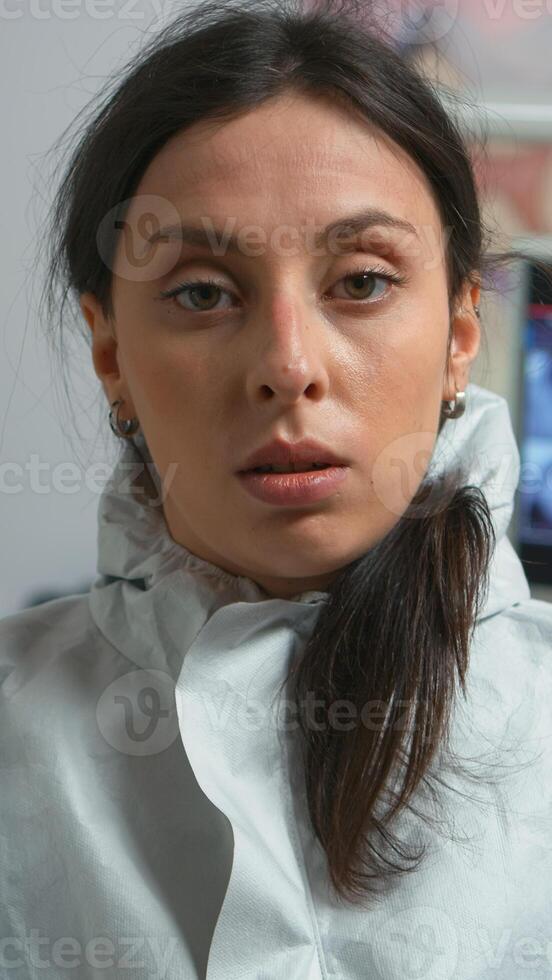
x,y
279,452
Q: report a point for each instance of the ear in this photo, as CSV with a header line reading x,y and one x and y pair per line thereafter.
x,y
465,342
104,349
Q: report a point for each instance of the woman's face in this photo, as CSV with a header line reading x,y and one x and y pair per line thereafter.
x,y
291,342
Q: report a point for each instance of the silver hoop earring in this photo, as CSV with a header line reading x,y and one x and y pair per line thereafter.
x,y
126,428
456,408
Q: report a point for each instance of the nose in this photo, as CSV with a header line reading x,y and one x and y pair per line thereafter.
x,y
289,360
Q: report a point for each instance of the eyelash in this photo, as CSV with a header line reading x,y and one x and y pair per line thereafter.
x,y
379,272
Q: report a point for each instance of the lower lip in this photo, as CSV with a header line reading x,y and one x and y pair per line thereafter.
x,y
294,488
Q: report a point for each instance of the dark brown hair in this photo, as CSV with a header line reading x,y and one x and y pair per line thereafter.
x,y
397,626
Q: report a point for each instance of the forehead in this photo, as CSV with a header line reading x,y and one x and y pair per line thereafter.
x,y
288,159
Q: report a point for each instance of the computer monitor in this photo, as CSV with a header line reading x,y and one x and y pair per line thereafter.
x,y
534,507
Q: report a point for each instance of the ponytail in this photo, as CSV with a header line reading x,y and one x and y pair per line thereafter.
x,y
390,642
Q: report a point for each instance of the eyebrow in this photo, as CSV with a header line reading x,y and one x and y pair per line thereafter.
x,y
348,228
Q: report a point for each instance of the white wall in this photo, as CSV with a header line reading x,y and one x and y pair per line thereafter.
x,y
50,65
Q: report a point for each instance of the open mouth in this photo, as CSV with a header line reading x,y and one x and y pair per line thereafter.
x,y
291,468
306,484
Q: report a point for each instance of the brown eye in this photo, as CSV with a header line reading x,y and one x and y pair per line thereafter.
x,y
203,295
362,284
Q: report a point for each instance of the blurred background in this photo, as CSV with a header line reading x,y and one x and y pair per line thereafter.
x,y
490,60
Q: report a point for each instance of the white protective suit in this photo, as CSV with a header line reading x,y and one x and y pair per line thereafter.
x,y
152,820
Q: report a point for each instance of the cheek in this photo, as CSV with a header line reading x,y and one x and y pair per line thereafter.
x,y
167,380
415,363
400,411
399,468
401,374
